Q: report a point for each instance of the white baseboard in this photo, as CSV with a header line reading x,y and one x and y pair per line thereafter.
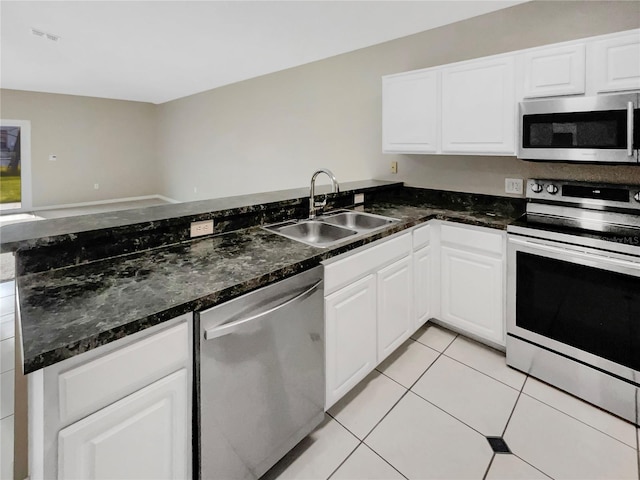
x,y
102,202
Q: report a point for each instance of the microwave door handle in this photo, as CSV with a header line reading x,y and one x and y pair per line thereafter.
x,y
630,129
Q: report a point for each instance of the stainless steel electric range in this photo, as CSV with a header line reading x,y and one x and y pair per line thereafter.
x,y
573,291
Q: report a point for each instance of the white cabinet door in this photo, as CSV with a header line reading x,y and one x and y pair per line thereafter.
x,y
471,290
395,312
479,107
350,349
554,71
410,112
423,275
142,436
617,63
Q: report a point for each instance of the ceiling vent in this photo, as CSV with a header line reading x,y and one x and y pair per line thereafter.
x,y
41,34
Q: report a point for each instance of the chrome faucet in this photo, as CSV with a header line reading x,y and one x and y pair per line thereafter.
x,y
335,188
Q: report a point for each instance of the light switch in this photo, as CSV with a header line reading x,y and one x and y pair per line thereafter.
x,y
53,157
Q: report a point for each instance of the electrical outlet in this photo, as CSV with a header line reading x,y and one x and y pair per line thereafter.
x,y
201,228
53,157
96,186
394,167
513,185
358,198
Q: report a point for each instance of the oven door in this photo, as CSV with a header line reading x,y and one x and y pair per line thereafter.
x,y
589,129
582,303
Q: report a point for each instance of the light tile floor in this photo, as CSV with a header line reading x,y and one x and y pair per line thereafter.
x,y
426,411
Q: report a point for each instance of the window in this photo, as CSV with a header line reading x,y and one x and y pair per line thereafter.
x,y
15,166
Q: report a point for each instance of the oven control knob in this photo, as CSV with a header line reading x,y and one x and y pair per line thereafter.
x,y
536,188
552,189
637,197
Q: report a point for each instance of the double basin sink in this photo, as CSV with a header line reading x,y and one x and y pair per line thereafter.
x,y
330,228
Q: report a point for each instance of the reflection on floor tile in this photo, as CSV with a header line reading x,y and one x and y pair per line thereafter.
x,y
422,441
510,467
6,447
563,447
318,455
485,359
7,393
434,336
7,355
7,305
7,288
364,464
476,399
408,362
583,411
364,406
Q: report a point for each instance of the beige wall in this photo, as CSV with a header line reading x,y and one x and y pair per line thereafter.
x,y
109,142
272,132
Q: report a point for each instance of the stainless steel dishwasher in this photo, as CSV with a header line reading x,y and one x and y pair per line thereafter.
x,y
261,376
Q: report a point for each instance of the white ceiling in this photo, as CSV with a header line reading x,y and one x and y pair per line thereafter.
x,y
156,51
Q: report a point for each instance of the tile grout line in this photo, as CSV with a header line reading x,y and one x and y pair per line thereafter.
x,y
486,472
515,404
480,371
509,420
578,420
347,457
531,465
407,390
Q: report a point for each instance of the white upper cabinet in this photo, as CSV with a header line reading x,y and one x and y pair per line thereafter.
x,y
554,71
479,107
410,112
616,64
470,108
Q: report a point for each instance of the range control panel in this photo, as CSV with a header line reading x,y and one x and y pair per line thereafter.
x,y
584,193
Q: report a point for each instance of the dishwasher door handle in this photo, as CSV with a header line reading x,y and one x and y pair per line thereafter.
x,y
229,328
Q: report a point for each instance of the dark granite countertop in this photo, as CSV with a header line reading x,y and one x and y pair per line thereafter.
x,y
68,311
61,230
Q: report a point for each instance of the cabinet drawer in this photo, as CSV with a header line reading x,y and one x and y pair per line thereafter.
x,y
421,237
89,387
485,239
372,257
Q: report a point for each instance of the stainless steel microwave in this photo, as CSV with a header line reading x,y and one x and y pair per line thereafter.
x,y
602,129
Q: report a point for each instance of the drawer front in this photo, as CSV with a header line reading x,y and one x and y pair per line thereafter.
x,y
91,386
484,239
371,258
421,237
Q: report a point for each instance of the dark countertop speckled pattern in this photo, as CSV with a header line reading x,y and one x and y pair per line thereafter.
x,y
71,310
123,222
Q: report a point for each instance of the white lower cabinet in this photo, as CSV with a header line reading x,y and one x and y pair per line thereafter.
x,y
368,311
379,295
423,285
350,314
471,291
395,306
142,436
120,411
472,280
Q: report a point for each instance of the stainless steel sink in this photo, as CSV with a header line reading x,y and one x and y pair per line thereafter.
x,y
330,228
312,232
357,220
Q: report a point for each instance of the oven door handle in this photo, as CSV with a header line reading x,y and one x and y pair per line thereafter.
x,y
589,257
630,129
